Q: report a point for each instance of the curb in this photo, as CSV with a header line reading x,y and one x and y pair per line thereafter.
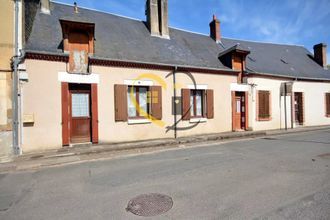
x,y
78,155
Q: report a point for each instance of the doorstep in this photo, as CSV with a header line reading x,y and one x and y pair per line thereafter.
x,y
106,151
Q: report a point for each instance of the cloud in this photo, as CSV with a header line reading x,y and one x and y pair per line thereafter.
x,y
276,21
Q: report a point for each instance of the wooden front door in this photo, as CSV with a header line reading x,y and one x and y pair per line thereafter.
x,y
80,114
239,116
298,108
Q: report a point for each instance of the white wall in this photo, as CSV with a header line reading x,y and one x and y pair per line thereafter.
x,y
314,93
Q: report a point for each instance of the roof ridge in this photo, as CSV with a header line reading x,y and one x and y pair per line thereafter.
x,y
192,32
96,10
264,42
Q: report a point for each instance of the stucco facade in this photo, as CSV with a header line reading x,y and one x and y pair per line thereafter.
x,y
43,101
314,103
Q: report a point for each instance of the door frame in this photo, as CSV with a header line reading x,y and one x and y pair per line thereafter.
x,y
300,123
245,94
66,133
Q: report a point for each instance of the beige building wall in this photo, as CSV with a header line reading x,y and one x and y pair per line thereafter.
x,y
314,106
220,84
6,53
42,99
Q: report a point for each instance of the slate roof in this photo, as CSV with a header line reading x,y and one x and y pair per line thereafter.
x,y
125,39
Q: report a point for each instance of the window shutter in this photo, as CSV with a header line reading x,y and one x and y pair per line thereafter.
x,y
209,104
185,94
267,109
156,102
327,104
263,104
120,103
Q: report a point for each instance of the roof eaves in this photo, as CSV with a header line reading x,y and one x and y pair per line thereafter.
x,y
289,77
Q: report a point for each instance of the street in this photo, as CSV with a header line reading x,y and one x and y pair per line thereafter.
x,y
276,177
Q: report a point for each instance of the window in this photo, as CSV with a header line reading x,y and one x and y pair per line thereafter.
x,y
327,104
80,105
197,103
138,101
197,106
263,107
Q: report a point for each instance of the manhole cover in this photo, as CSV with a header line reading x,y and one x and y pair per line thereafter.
x,y
150,204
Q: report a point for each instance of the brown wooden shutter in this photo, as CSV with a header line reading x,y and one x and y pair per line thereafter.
x,y
263,104
267,107
209,104
185,94
156,102
95,119
327,104
65,114
120,103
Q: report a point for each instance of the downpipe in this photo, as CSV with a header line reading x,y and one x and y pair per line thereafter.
x,y
16,60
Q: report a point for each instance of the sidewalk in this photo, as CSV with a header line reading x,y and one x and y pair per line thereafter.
x,y
108,151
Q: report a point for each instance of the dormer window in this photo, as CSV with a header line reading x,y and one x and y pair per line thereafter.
x,y
78,42
234,57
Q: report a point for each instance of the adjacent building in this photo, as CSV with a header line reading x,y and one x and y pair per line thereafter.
x,y
96,77
6,53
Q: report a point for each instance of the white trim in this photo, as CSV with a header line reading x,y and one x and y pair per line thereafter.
x,y
201,87
138,82
239,87
198,120
78,78
138,121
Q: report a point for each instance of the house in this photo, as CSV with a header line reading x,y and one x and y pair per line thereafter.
x,y
96,77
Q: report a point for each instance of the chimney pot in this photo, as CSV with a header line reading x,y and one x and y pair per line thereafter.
x,y
215,32
320,54
75,7
45,9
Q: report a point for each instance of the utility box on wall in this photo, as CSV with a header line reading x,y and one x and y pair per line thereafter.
x,y
286,89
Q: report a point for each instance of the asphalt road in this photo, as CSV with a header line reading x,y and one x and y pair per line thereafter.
x,y
283,177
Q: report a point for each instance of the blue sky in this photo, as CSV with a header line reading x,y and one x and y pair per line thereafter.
x,y
300,22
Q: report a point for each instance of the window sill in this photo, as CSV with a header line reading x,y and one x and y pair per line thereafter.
x,y
138,121
264,119
198,120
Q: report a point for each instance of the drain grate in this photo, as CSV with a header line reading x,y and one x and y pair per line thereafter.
x,y
148,205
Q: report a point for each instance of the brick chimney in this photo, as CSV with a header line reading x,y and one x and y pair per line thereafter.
x,y
320,54
44,5
157,17
215,32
